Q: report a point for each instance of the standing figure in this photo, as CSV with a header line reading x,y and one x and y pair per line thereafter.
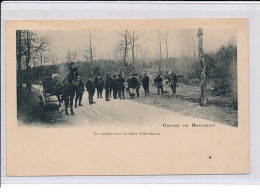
x,y
145,82
128,82
132,84
158,81
174,81
138,86
99,84
114,87
108,83
79,91
91,89
121,86
29,86
110,88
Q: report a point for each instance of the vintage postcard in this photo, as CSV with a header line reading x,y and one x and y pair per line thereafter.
x,y
127,97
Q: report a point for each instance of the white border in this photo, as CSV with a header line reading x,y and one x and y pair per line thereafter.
x,y
145,10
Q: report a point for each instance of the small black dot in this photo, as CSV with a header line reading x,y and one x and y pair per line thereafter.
x,y
209,157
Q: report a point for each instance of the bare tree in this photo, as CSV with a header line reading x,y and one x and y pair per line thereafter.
x,y
90,52
54,59
133,42
159,43
68,56
124,43
19,60
29,45
166,48
74,56
203,97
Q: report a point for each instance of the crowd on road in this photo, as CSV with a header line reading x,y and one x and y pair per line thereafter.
x,y
115,86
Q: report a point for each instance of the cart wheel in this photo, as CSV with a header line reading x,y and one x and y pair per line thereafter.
x,y
42,102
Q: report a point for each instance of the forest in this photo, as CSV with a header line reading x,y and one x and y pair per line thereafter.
x,y
220,66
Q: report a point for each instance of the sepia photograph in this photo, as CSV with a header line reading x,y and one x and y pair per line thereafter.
x,y
127,97
72,77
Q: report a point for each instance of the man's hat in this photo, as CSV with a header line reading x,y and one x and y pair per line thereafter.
x,y
79,77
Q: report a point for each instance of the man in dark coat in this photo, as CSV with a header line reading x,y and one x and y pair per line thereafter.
x,y
145,82
99,84
108,83
121,86
91,89
132,84
79,91
114,87
110,89
174,81
159,83
138,86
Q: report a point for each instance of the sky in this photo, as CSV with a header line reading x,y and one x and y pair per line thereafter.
x,y
180,42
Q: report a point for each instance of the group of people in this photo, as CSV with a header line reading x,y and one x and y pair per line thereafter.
x,y
116,86
171,79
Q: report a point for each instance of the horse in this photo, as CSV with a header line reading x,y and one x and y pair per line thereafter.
x,y
69,88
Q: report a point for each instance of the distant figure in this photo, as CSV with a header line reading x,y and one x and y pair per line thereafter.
x,y
145,82
158,81
110,88
79,91
28,86
114,87
174,81
108,83
132,84
138,86
99,84
121,86
91,89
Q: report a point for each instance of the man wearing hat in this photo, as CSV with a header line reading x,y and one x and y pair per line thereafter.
x,y
99,83
107,84
120,86
174,81
159,83
114,87
79,91
145,82
91,89
133,83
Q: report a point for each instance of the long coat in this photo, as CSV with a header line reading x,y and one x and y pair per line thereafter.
x,y
120,83
108,83
114,83
158,81
80,87
133,82
90,86
145,82
99,83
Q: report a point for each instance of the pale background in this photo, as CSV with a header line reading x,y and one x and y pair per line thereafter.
x,y
167,178
73,150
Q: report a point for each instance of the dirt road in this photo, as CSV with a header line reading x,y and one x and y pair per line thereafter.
x,y
102,113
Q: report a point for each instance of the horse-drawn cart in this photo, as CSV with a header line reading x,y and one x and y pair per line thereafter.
x,y
48,88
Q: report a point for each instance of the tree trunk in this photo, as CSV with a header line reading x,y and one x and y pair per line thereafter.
x,y
28,54
160,51
133,49
203,97
19,59
166,50
125,50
